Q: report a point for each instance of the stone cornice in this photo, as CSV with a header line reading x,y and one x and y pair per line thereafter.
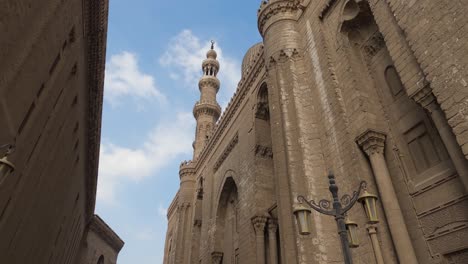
x,y
372,141
173,206
259,223
243,88
425,98
276,10
95,17
208,108
226,152
99,227
186,168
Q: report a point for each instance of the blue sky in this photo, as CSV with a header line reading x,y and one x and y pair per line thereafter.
x,y
154,53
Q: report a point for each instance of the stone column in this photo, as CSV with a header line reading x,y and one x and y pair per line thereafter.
x,y
373,143
259,223
427,100
272,228
217,257
375,244
179,252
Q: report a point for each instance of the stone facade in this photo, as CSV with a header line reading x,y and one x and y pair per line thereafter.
x,y
52,57
373,90
101,245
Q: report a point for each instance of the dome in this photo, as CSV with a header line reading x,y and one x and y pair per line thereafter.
x,y
251,57
211,54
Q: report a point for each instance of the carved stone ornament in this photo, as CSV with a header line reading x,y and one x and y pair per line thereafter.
x,y
186,168
262,111
197,222
425,98
259,223
272,225
374,44
372,142
209,81
217,257
263,151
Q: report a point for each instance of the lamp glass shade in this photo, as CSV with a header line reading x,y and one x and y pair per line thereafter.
x,y
351,228
302,214
369,201
6,168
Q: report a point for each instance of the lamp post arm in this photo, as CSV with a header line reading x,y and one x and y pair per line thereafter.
x,y
321,207
348,201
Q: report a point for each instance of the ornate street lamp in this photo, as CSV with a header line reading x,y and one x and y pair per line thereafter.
x,y
6,167
340,207
369,201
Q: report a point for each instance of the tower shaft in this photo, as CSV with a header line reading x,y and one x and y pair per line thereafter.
x,y
207,110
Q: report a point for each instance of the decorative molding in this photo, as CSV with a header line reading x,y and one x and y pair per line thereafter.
x,y
327,7
442,206
425,98
447,229
226,151
276,10
186,168
209,81
99,227
173,205
208,108
217,257
372,142
272,225
263,151
95,16
259,223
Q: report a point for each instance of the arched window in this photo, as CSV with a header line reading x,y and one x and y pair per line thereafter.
x,y
101,260
263,111
393,80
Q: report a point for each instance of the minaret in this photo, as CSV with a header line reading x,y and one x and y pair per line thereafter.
x,y
207,110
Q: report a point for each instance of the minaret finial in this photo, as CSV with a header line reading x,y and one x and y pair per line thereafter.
x,y
212,44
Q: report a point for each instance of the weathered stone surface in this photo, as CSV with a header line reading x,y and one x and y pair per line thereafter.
x,y
52,57
332,71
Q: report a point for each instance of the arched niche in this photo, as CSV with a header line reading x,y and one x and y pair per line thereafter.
x,y
262,119
226,238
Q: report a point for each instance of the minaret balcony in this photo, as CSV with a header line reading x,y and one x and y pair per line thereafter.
x,y
208,108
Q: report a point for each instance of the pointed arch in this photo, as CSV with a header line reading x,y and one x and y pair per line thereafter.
x,y
226,229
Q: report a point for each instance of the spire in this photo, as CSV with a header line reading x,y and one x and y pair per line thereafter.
x,y
207,110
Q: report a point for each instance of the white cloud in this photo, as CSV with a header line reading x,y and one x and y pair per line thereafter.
x,y
162,211
185,55
162,146
146,234
124,78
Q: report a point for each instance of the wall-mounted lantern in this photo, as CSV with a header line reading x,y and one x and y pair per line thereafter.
x,y
302,214
369,201
351,228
